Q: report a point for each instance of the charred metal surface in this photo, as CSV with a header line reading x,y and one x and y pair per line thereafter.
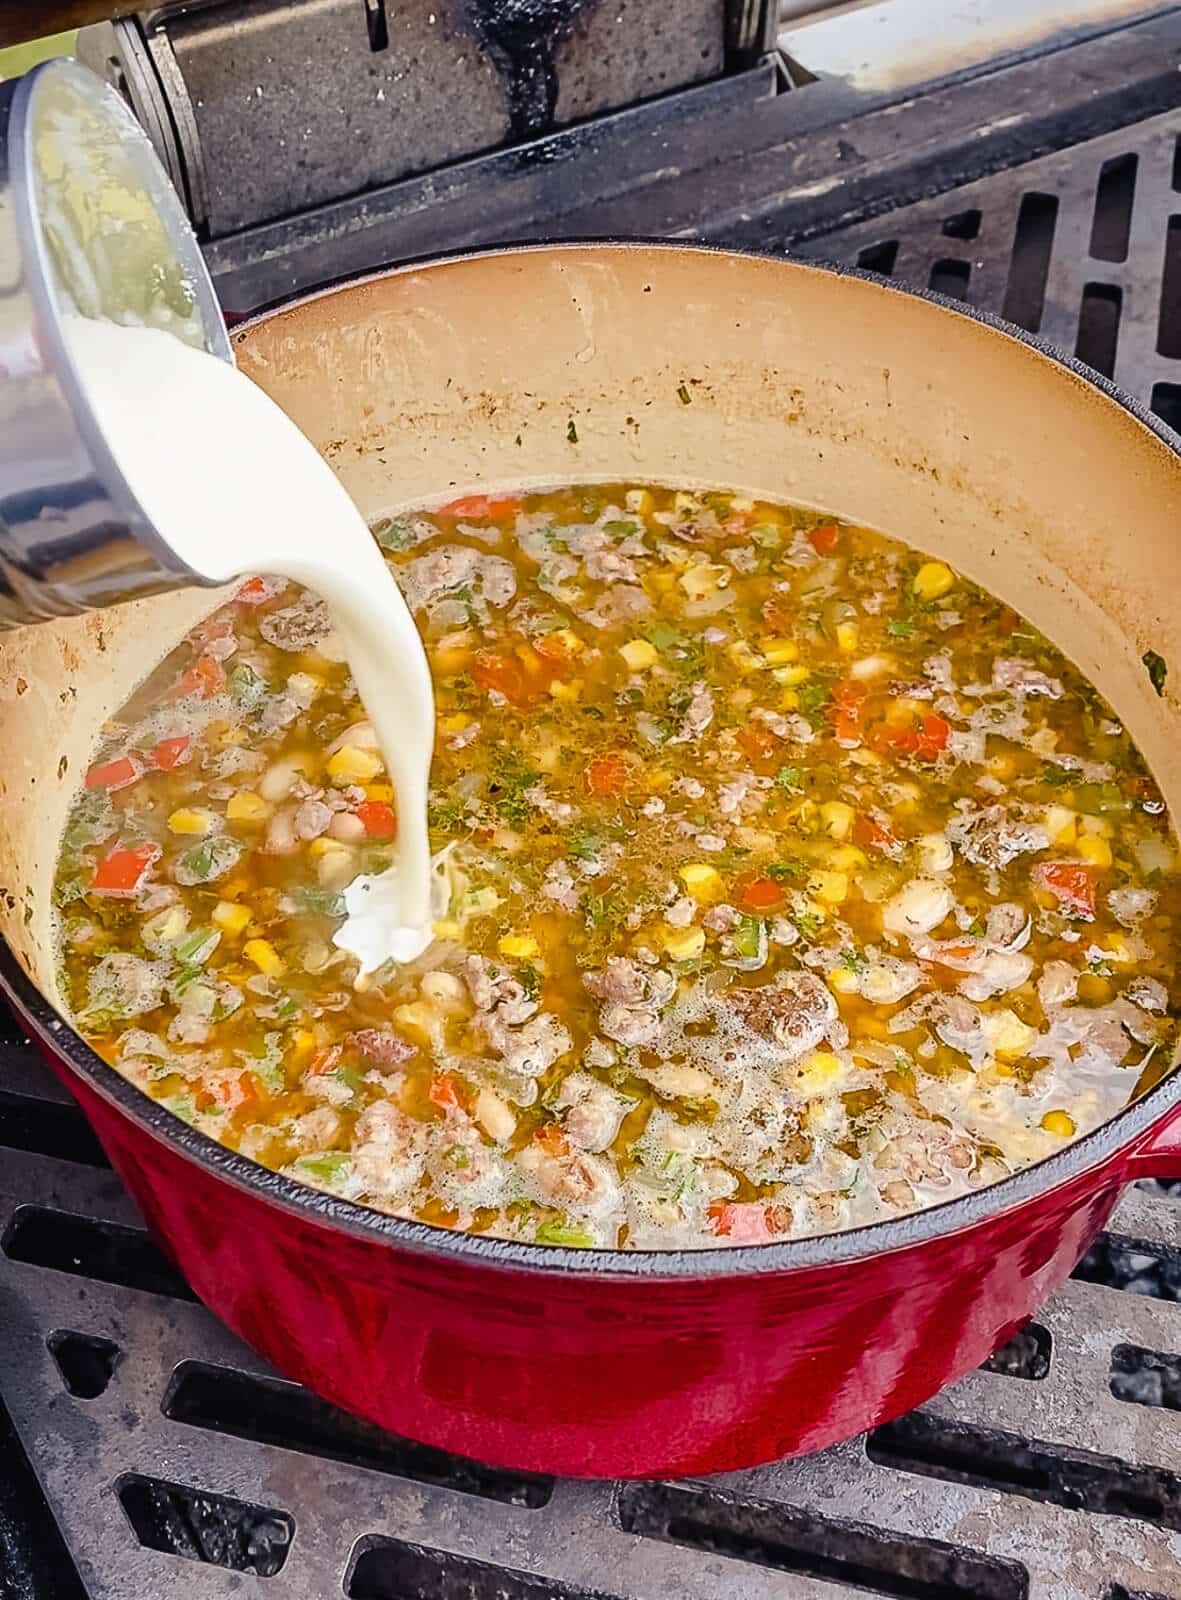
x,y
263,109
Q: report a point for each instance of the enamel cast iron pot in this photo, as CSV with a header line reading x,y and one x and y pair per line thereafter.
x,y
536,366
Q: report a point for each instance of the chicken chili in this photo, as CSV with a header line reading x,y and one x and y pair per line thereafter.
x,y
795,883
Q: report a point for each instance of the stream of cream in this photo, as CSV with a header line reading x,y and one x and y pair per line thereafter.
x,y
232,485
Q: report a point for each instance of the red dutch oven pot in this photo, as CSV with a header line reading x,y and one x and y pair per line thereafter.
x,y
528,367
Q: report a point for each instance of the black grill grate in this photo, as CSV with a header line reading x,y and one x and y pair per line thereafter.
x,y
144,1452
1082,247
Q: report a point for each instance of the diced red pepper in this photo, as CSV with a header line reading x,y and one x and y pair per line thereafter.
x,y
870,833
760,894
552,1138
847,708
1073,887
254,592
776,614
324,1060
378,819
745,1222
170,752
502,674
925,741
115,774
232,1093
442,1092
607,775
205,678
478,507
123,871
824,538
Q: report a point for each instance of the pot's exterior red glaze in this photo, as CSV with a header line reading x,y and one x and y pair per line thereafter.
x,y
623,1376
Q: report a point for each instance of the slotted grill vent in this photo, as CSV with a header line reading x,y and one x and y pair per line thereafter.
x,y
1082,247
171,1463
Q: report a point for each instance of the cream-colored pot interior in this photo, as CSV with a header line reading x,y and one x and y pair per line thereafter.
x,y
568,364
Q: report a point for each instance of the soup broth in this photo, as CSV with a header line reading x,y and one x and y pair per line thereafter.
x,y
794,882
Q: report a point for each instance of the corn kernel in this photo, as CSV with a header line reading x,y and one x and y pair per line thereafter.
x,y
1007,1034
420,1018
779,652
383,792
519,947
325,845
1059,1123
265,957
351,764
902,711
455,723
848,635
247,807
1101,825
743,656
302,1046
186,821
565,691
682,944
830,887
1095,849
446,930
567,641
846,858
1059,823
639,501
685,504
230,918
836,818
791,677
703,881
704,579
817,1072
843,980
933,580
639,654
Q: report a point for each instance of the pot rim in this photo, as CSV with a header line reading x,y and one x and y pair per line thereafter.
x,y
1121,1134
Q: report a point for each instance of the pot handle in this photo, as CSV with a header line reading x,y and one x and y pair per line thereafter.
x,y
1160,1155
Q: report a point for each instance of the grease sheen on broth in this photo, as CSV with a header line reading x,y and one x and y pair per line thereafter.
x,y
796,883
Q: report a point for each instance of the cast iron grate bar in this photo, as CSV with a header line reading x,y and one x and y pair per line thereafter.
x,y
790,1540
273,1411
34,1561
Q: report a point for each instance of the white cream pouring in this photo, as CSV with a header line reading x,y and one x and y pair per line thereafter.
x,y
233,486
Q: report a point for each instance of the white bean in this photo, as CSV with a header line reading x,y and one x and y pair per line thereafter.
x,y
494,1116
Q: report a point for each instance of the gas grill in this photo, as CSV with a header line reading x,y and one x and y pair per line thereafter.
x,y
144,1452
